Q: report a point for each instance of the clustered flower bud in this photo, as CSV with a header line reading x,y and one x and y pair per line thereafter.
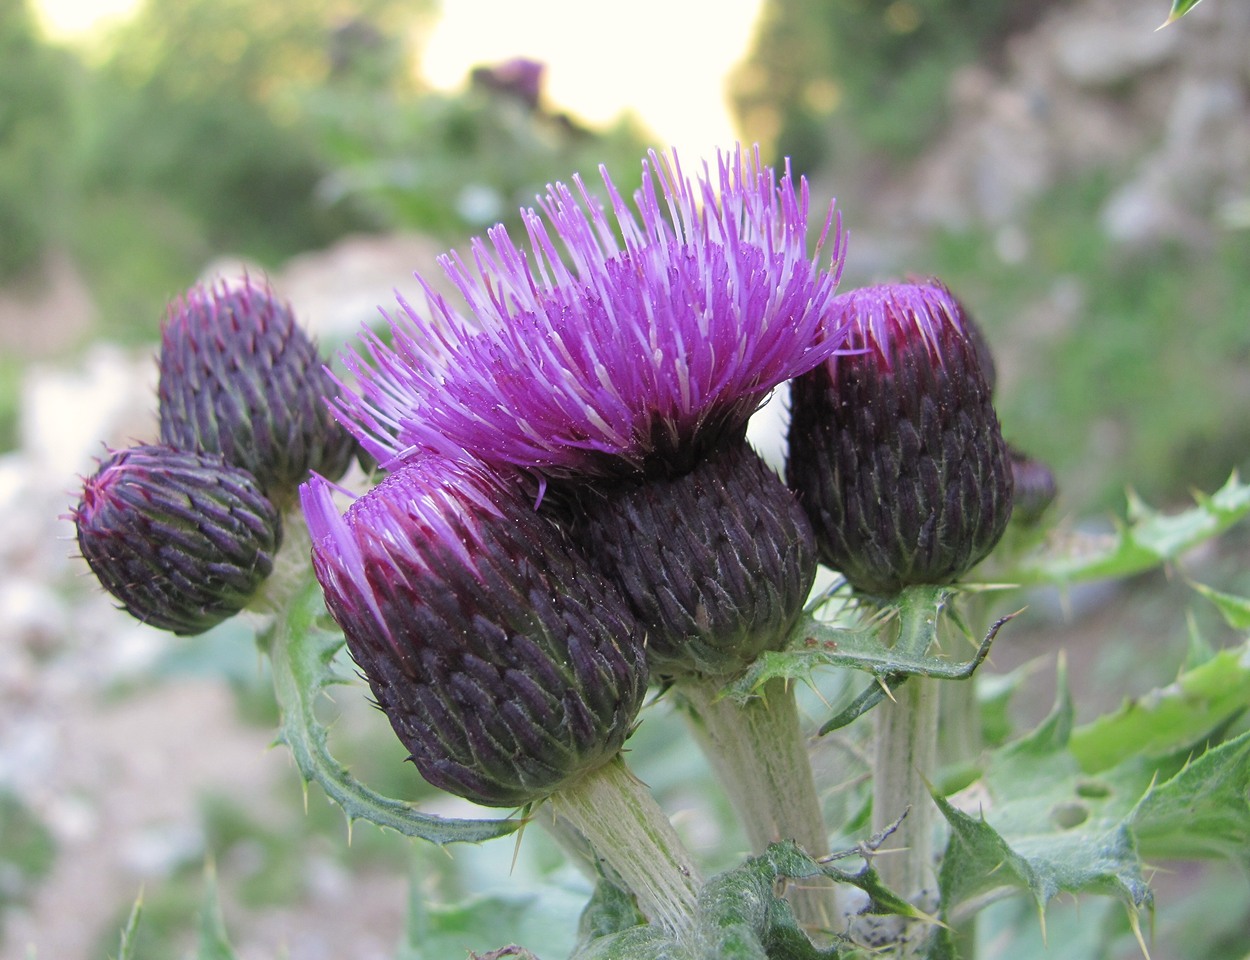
x,y
716,563
243,421
624,366
507,666
181,539
239,377
895,449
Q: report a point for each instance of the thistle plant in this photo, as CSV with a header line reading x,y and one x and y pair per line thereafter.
x,y
620,372
566,520
895,448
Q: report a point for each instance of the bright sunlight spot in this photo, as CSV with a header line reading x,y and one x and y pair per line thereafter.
x,y
664,62
78,19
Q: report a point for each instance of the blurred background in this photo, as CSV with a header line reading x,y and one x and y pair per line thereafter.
x,y
1080,180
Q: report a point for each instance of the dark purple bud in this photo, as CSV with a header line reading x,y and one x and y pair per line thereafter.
x,y
519,77
183,540
508,666
1035,487
716,564
895,450
240,378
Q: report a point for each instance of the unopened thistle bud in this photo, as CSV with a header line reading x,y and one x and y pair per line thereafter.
x,y
1035,487
716,563
507,666
182,539
240,378
894,448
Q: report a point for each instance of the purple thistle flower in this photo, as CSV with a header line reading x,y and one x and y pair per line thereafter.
x,y
635,343
507,666
895,449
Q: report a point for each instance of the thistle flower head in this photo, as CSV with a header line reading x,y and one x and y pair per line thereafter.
x,y
240,378
182,539
716,563
622,342
506,665
894,446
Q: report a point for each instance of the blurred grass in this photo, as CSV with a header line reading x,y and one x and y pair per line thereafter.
x,y
27,852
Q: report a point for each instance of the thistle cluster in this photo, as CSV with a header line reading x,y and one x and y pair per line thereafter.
x,y
609,370
184,532
570,510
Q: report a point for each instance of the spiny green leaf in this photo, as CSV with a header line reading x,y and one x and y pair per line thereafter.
x,y
995,693
1234,609
896,645
1045,820
301,653
213,942
1148,539
871,648
740,916
1054,732
1204,810
1169,718
1179,9
1036,822
609,911
1047,846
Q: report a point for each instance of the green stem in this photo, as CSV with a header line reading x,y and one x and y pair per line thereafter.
x,y
960,743
291,568
904,762
628,830
757,751
906,755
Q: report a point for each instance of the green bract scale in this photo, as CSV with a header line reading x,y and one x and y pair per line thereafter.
x,y
508,667
240,378
894,448
715,563
182,539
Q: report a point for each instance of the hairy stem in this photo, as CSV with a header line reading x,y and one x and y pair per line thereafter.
x,y
758,753
906,754
627,829
905,759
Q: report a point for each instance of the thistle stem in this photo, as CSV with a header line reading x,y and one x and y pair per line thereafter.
x,y
906,754
616,812
906,732
758,753
960,742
